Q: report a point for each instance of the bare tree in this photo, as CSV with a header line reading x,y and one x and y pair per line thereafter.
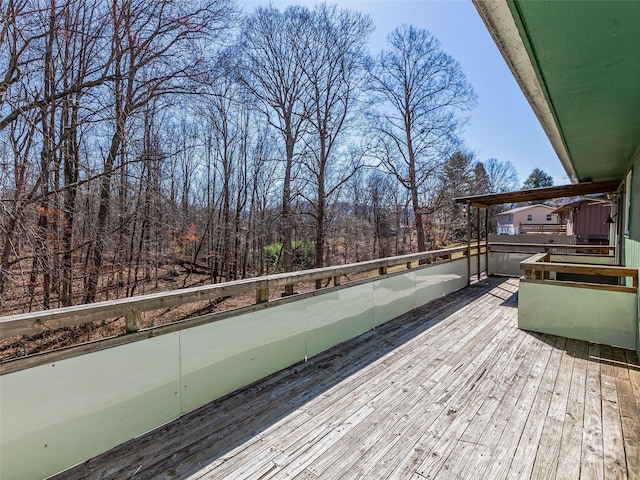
x,y
156,52
419,91
275,53
25,32
501,176
334,73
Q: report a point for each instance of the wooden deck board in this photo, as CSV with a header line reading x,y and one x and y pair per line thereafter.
x,y
452,390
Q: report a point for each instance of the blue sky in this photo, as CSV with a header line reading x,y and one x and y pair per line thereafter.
x,y
503,124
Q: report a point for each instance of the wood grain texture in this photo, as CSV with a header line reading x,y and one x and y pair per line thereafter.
x,y
452,390
37,322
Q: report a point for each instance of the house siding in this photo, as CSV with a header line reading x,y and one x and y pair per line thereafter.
x,y
591,222
632,241
509,222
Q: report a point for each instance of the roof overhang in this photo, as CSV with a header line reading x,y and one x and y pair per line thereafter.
x,y
545,193
502,27
578,64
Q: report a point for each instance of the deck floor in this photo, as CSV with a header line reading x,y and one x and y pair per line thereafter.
x,y
452,390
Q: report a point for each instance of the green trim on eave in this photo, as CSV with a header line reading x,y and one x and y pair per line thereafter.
x,y
526,41
587,60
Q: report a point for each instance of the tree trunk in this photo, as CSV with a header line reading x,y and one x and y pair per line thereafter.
x,y
287,228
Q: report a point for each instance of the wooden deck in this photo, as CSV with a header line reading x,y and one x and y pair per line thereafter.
x,y
450,391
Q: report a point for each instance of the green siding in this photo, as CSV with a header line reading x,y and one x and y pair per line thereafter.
x,y
632,252
632,242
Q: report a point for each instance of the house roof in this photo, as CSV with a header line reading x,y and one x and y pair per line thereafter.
x,y
569,205
526,207
578,64
544,193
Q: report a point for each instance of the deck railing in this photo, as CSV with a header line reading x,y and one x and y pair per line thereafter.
x,y
553,248
556,229
65,406
575,300
131,308
540,267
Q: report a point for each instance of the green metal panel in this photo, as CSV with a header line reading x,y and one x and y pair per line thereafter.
x,y
597,316
632,253
223,356
54,416
587,58
393,296
338,316
632,242
583,259
507,263
430,283
457,277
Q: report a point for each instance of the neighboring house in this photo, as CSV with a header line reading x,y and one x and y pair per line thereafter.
x,y
528,219
587,219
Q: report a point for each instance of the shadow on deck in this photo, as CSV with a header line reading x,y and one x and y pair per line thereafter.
x,y
450,390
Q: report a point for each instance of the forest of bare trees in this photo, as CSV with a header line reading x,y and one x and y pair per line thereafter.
x,y
142,142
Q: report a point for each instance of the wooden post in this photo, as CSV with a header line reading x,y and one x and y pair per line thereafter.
x,y
134,321
486,240
262,295
478,242
336,280
468,243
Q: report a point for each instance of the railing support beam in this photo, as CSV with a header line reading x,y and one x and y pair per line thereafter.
x,y
468,243
478,242
134,321
262,295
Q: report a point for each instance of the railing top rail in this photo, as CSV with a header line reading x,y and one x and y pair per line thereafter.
x,y
544,224
539,263
553,245
26,323
538,257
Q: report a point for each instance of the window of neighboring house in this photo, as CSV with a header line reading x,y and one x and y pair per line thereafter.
x,y
529,218
548,218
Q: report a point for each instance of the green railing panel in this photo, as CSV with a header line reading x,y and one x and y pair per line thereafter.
x,y
393,296
56,415
224,356
456,277
338,316
593,315
506,263
430,283
583,259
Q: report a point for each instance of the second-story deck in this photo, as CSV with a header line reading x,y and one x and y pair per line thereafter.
x,y
450,390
